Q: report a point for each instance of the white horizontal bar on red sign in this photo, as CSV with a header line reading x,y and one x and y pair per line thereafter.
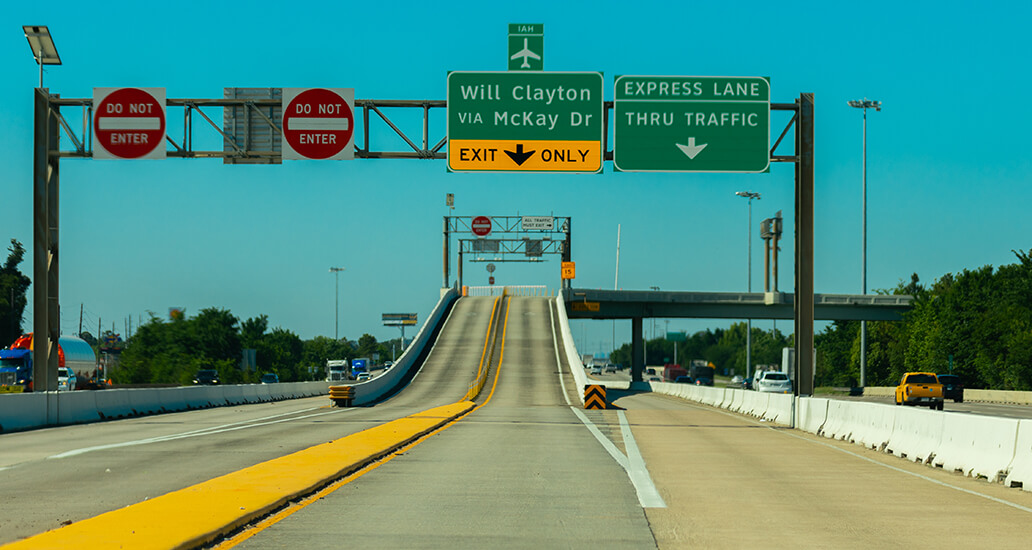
x,y
129,123
318,124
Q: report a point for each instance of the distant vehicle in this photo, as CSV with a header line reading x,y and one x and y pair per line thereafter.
x,y
702,372
360,365
773,382
655,379
388,364
596,370
919,388
337,370
206,377
738,380
362,376
610,368
747,384
683,380
66,379
270,378
16,361
673,372
952,387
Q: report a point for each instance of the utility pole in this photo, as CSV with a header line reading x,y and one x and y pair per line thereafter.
x,y
80,320
865,104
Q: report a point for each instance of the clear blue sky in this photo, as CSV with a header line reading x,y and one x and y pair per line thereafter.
x,y
949,167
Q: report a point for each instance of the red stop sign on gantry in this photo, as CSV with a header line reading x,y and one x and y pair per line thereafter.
x,y
129,123
318,123
481,226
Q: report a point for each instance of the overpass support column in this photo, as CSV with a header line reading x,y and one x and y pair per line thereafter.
x,y
637,350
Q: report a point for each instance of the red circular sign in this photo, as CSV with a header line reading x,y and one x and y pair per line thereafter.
x,y
318,123
481,226
129,123
490,280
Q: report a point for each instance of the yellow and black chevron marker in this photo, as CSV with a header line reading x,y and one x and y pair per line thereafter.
x,y
594,397
342,395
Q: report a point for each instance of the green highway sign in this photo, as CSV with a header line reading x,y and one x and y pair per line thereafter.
x,y
526,47
525,121
691,124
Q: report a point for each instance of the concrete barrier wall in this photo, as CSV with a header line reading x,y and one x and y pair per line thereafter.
x,y
986,396
23,411
811,413
780,408
373,389
981,446
1021,467
573,358
916,435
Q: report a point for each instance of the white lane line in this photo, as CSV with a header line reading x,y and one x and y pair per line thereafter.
x,y
917,475
196,433
633,463
648,495
616,454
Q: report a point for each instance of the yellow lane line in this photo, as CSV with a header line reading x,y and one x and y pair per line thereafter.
x,y
201,513
297,507
470,394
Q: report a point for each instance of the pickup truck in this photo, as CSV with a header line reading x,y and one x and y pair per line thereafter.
x,y
919,388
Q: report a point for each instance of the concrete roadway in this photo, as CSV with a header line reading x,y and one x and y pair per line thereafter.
x,y
108,465
521,472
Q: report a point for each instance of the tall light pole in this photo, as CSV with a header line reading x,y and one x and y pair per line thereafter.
x,y
864,104
748,329
336,302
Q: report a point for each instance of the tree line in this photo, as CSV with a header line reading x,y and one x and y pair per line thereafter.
x,y
173,351
976,324
725,348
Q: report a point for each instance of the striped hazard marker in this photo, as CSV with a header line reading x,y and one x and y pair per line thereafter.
x,y
594,397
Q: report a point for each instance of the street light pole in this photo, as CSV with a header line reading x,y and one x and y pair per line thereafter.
x,y
748,328
336,302
876,105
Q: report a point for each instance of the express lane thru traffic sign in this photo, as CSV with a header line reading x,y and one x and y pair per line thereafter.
x,y
691,124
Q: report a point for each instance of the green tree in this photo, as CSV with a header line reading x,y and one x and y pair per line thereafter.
x,y
13,298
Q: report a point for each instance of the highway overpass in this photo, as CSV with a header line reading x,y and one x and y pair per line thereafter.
x,y
518,464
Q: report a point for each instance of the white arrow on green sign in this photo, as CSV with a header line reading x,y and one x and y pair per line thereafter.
x,y
691,124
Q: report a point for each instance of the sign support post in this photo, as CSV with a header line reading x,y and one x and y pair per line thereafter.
x,y
46,319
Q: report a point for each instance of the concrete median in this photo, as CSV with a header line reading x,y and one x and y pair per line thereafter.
x,y
113,404
779,409
1021,467
811,413
75,407
917,434
978,446
22,411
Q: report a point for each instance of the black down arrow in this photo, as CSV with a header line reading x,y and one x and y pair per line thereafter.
x,y
519,157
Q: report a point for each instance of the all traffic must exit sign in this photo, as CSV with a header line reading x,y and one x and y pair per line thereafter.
x,y
691,124
525,121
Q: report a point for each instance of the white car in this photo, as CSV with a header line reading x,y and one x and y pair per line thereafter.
x,y
773,382
66,379
596,370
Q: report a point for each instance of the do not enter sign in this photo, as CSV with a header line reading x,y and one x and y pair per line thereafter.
x,y
481,226
318,123
129,123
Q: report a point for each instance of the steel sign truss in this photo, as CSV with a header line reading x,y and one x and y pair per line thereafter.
x,y
509,250
251,132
